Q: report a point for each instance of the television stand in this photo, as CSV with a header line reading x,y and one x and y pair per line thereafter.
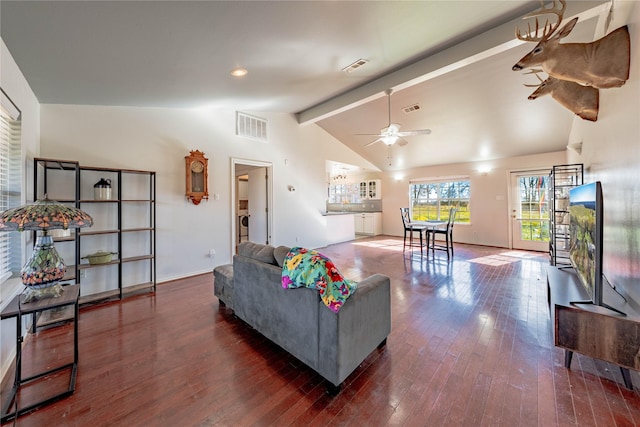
x,y
592,330
607,306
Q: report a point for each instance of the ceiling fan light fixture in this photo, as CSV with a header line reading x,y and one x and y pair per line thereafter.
x,y
389,139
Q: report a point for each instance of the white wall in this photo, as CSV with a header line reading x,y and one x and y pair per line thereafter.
x,y
489,195
611,154
158,140
16,87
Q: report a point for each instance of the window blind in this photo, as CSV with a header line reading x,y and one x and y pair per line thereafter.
x,y
10,182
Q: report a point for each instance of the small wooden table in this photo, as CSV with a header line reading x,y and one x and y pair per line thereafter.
x,y
17,309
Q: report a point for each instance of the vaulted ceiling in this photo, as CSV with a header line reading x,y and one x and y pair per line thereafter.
x,y
453,58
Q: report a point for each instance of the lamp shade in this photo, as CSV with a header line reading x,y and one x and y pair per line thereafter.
x,y
44,215
45,267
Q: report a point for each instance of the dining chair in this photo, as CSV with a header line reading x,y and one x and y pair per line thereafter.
x,y
411,228
447,231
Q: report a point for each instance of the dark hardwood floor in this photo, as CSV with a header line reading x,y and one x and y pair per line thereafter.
x,y
470,345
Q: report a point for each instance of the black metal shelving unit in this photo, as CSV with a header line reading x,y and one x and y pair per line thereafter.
x,y
562,179
113,229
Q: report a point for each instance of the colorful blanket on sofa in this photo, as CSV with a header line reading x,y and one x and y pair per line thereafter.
x,y
311,269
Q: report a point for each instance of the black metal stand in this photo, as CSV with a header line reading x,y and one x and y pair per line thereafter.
x,y
17,309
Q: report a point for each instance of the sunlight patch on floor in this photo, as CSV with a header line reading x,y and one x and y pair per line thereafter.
x,y
520,254
389,244
495,260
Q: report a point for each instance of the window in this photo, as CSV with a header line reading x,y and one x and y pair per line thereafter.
x,y
344,193
432,200
10,183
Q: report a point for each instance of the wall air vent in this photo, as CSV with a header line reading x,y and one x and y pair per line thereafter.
x,y
352,67
251,126
411,108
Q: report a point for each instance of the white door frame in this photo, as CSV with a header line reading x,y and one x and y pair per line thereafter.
x,y
244,162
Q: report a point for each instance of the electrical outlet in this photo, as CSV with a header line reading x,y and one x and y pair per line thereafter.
x,y
83,274
212,253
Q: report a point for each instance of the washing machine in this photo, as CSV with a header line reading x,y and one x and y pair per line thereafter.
x,y
243,228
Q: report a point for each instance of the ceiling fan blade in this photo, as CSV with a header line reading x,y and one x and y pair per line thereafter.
x,y
415,132
367,134
402,142
372,142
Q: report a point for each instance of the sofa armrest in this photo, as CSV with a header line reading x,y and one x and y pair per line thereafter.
x,y
363,323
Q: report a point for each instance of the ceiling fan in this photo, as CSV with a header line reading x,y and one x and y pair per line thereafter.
x,y
391,134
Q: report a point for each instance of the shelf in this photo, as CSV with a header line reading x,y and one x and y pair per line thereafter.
x,y
562,179
112,262
133,203
132,230
59,199
55,315
95,233
100,296
138,258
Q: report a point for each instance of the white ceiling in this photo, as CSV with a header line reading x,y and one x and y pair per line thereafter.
x,y
454,58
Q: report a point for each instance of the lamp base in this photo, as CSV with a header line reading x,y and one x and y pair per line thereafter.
x,y
34,294
45,267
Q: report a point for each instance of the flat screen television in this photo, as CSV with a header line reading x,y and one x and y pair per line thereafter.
x,y
586,214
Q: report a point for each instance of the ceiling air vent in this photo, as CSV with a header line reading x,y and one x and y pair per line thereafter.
x,y
411,108
352,67
251,126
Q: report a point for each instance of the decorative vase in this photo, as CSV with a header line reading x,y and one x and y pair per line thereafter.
x,y
102,189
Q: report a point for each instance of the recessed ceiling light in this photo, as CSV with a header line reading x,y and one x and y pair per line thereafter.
x,y
239,72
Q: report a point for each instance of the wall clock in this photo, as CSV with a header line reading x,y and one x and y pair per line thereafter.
x,y
197,177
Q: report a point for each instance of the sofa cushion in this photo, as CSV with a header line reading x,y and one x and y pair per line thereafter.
x,y
223,284
280,253
257,251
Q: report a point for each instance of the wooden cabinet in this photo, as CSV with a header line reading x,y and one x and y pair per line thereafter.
x,y
124,225
368,223
562,179
592,330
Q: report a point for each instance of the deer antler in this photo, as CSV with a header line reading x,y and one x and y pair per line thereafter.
x,y
556,9
535,71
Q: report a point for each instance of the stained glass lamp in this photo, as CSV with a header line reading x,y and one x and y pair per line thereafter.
x,y
44,268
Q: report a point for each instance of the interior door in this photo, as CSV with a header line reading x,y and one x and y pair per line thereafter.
x,y
530,210
258,205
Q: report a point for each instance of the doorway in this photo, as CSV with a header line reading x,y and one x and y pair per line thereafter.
x,y
251,193
530,210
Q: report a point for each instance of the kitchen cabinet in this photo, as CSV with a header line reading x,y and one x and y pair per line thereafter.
x,y
368,223
371,189
374,188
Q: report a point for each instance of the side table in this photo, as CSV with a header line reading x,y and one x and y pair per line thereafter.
x,y
17,309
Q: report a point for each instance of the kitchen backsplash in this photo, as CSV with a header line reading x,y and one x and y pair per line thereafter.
x,y
364,206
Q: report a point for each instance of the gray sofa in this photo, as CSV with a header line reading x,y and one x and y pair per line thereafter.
x,y
332,344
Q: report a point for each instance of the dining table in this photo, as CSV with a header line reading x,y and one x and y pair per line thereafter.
x,y
429,225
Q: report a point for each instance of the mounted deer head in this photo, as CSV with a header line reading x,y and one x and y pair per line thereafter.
x,y
581,100
603,63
